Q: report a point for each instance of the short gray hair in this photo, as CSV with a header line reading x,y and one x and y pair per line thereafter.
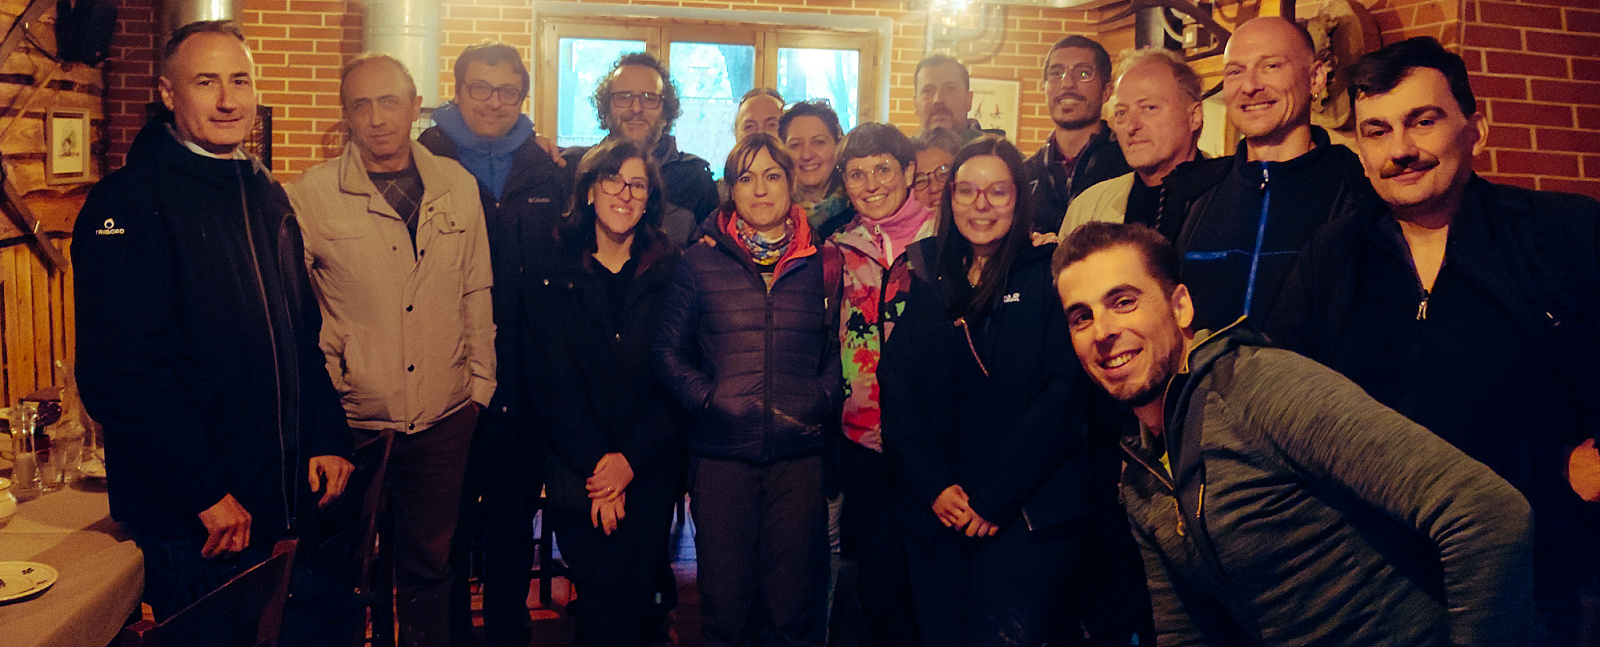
x,y
1188,80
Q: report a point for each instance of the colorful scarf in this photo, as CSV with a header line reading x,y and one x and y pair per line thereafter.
x,y
762,251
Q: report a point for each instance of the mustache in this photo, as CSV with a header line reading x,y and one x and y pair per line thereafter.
x,y
1068,95
1418,162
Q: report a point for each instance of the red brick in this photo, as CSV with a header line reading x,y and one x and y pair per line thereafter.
x,y
1510,137
1589,188
1566,92
1566,44
1526,64
1582,21
1500,87
1521,15
1591,165
1474,59
1516,112
1586,69
1578,141
1588,118
1532,163
1494,37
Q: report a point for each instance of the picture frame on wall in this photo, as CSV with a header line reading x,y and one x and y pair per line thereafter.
x,y
995,104
67,146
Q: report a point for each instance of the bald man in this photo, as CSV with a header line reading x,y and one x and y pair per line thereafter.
x,y
1245,217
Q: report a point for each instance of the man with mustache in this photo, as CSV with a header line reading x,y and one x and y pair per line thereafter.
x,y
638,101
399,262
1081,151
944,97
1470,307
1245,217
1274,501
1156,116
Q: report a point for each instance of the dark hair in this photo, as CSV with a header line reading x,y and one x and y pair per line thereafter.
x,y
602,161
759,92
1160,257
955,251
344,72
670,108
940,138
1381,71
490,53
225,27
1102,58
872,138
744,154
818,108
941,59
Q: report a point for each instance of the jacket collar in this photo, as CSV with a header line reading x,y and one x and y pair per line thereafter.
x,y
800,247
859,233
1321,148
156,143
353,179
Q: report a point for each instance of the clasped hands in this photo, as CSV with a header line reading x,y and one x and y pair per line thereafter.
x,y
608,491
954,512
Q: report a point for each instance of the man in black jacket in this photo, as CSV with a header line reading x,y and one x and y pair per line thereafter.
x,y
197,335
524,192
1245,217
1470,307
1081,150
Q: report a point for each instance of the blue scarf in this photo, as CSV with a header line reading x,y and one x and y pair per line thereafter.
x,y
487,159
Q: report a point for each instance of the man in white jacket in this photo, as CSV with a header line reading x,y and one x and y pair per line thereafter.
x,y
399,261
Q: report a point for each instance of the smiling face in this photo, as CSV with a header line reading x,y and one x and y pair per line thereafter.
x,y
493,116
1154,121
1127,332
815,151
983,223
618,214
761,194
1416,144
1269,75
943,98
758,114
1075,103
379,108
209,86
634,121
935,173
883,187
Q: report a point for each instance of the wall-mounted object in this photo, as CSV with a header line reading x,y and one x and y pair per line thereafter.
x,y
995,103
67,141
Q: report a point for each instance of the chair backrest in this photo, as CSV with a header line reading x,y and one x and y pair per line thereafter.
x,y
246,611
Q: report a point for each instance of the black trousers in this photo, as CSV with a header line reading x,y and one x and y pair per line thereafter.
x,y
874,538
761,543
498,502
1000,590
616,575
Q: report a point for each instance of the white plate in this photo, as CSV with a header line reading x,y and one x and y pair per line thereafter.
x,y
22,579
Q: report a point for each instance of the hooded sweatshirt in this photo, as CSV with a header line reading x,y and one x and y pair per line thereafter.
x,y
489,159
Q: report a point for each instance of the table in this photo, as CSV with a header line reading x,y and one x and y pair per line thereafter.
x,y
102,571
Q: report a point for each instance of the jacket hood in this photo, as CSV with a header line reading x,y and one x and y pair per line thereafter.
x,y
453,125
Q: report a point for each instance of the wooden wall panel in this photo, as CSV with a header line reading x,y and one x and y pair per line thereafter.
x,y
38,322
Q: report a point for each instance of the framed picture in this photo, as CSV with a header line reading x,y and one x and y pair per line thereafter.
x,y
67,142
994,104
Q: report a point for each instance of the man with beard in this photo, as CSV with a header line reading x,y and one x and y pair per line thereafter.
x,y
638,101
1245,217
1274,501
1469,307
1156,116
1081,150
944,97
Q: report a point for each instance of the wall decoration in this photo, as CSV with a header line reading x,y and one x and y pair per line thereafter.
x,y
67,142
995,104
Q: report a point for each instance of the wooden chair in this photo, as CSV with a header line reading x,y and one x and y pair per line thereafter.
x,y
223,617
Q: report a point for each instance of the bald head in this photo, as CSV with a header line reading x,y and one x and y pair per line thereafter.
x,y
1270,73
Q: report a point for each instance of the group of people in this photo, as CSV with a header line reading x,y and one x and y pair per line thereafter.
x,y
1001,385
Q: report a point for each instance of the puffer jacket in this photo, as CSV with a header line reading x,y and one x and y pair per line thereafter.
x,y
758,367
1298,511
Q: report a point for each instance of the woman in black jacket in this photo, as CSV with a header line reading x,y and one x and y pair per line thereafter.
x,y
983,416
745,346
615,447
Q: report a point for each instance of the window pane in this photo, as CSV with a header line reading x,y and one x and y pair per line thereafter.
x,y
711,77
830,74
584,61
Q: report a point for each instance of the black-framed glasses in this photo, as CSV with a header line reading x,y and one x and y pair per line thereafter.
x,y
1078,74
937,177
999,194
481,91
650,100
614,185
856,177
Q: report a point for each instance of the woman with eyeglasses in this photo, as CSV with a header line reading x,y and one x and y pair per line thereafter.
x,y
745,347
811,131
935,150
983,416
615,440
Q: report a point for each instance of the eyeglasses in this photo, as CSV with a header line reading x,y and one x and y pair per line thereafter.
x,y
1079,74
480,91
999,194
614,185
857,177
649,100
936,177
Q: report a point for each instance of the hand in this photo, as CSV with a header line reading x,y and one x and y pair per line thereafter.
x,y
951,507
227,526
1583,471
980,527
611,477
605,513
337,472
1044,238
550,147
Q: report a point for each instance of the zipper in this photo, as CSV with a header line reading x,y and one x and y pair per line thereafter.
x,y
766,378
272,336
1422,308
1261,234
